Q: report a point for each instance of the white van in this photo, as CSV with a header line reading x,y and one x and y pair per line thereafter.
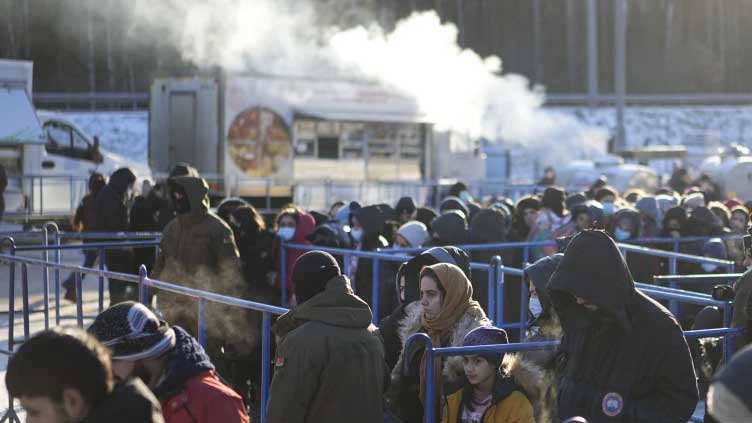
x,y
47,158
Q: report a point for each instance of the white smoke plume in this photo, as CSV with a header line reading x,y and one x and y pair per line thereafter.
x,y
456,88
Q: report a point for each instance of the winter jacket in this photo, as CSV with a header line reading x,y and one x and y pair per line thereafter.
x,y
86,213
129,402
198,251
329,365
742,317
509,398
190,391
626,362
144,219
305,226
403,395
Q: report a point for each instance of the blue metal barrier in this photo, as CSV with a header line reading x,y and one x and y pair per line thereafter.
x,y
674,282
495,270
144,283
432,352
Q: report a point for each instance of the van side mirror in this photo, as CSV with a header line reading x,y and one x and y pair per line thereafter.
x,y
95,154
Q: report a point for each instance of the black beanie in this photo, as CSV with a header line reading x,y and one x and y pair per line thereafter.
x,y
311,272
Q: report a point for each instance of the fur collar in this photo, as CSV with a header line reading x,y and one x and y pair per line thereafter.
x,y
411,324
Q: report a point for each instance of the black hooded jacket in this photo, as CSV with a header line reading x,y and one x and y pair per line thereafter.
x,y
129,402
372,219
112,214
626,362
489,226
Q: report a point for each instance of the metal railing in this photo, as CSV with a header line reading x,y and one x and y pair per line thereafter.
x,y
432,352
144,283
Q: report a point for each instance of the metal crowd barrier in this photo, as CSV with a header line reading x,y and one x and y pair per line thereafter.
x,y
144,283
431,353
495,269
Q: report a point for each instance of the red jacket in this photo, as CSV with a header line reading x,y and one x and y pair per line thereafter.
x,y
205,400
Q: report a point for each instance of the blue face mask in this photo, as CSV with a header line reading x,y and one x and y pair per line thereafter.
x,y
356,234
621,235
709,267
286,233
608,209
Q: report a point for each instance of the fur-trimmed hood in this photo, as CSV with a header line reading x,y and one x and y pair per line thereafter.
x,y
411,324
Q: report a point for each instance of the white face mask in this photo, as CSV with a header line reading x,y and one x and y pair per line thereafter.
x,y
465,196
286,233
535,307
621,235
709,267
357,234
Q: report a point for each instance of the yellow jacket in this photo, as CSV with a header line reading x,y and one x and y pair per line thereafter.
x,y
515,408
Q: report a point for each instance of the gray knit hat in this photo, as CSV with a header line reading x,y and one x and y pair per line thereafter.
x,y
416,233
133,332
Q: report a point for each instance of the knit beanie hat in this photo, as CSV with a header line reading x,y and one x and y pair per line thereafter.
x,y
487,335
575,200
694,200
414,232
454,203
133,332
729,397
311,272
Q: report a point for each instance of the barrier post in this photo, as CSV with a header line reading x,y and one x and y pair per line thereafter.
x,y
25,299
283,271
202,321
265,362
429,410
492,290
525,254
11,296
728,341
672,266
46,278
58,260
79,300
346,270
101,254
499,292
375,292
673,305
143,287
523,307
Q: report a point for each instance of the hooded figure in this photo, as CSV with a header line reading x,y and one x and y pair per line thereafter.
x,y
457,315
454,203
329,365
198,250
524,217
369,221
449,229
405,209
625,226
489,226
729,398
426,215
651,216
623,357
543,325
304,226
112,216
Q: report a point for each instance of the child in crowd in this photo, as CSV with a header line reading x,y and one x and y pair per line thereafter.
x,y
491,394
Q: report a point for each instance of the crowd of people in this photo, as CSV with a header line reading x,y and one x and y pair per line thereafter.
x,y
622,356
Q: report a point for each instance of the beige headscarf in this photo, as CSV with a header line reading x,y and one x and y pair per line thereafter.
x,y
457,299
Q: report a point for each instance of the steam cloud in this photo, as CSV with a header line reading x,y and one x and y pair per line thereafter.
x,y
457,89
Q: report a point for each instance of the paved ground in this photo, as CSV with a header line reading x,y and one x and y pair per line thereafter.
x,y
36,302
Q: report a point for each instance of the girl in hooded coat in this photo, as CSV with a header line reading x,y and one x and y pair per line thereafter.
x,y
446,314
293,227
495,386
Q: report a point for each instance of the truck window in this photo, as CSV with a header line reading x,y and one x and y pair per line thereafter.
x,y
328,148
59,138
79,142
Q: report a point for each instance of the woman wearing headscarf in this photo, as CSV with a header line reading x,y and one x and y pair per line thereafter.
x,y
447,313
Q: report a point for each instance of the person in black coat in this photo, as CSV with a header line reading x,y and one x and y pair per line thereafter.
x,y
367,224
489,226
448,229
112,216
623,356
